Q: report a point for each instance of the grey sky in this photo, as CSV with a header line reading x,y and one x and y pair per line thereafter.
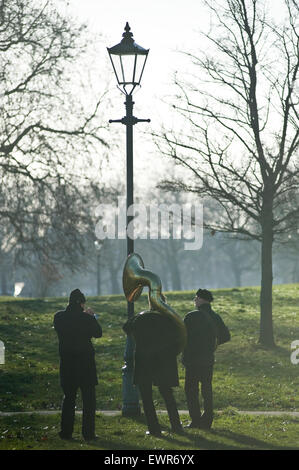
x,y
163,26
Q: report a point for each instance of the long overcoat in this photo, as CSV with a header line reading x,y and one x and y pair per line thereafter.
x,y
156,338
205,331
77,356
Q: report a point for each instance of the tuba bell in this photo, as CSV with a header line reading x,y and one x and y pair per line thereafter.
x,y
135,278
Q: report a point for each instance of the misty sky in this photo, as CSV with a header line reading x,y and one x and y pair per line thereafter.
x,y
165,27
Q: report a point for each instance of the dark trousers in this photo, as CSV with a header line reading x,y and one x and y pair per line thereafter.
x,y
194,375
68,411
146,392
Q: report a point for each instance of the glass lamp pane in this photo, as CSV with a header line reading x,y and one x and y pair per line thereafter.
x,y
128,62
140,61
116,62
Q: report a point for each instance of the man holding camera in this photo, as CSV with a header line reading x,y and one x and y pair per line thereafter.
x,y
75,327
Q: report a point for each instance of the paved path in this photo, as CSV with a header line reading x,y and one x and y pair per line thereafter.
x,y
118,413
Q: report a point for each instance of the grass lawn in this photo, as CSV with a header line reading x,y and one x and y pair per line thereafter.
x,y
246,377
229,432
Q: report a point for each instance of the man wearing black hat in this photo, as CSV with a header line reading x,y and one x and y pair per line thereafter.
x,y
205,331
75,328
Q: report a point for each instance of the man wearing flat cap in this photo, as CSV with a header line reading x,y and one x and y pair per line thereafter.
x,y
75,327
205,331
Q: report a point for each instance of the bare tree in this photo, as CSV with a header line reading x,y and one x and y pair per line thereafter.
x,y
240,139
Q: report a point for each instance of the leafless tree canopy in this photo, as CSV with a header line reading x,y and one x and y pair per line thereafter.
x,y
241,139
48,127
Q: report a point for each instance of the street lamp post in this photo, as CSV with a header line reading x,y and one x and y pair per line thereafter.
x,y
128,60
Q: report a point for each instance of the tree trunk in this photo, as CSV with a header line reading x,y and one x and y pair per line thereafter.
x,y
43,288
266,323
98,274
234,253
236,262
4,289
175,275
237,275
114,282
295,270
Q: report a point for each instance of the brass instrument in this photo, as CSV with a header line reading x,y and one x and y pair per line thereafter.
x,y
135,277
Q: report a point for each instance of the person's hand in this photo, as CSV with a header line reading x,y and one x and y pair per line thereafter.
x,y
90,312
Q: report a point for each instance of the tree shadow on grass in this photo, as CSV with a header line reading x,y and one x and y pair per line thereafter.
x,y
115,444
249,441
174,443
199,440
194,440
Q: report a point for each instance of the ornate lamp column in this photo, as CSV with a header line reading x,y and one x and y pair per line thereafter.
x,y
128,60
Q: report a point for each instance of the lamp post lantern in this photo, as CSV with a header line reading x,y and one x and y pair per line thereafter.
x,y
128,61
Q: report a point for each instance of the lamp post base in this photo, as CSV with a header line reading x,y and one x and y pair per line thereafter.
x,y
130,405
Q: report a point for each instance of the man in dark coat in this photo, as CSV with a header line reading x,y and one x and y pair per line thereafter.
x,y
75,328
205,331
155,337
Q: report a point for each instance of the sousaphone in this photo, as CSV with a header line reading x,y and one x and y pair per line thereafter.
x,y
135,278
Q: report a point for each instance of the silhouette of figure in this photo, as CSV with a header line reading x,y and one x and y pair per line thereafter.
x,y
75,328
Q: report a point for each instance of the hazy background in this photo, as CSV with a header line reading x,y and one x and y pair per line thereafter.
x,y
167,28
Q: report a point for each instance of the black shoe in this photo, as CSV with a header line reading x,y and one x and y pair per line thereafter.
x,y
65,437
206,421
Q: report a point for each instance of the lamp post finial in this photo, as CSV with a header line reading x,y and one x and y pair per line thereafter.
x,y
127,34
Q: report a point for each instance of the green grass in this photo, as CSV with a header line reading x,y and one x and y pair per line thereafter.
x,y
246,376
229,431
